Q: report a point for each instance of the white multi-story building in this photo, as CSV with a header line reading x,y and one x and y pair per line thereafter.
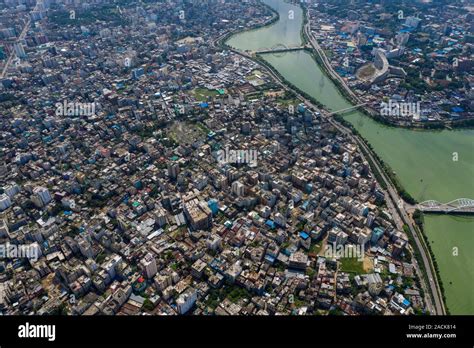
x,y
173,170
336,236
280,219
85,248
148,264
238,188
186,300
19,50
214,243
5,201
412,22
42,195
11,189
160,216
110,265
370,219
3,228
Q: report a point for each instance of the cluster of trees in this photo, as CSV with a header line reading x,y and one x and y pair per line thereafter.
x,y
233,293
106,13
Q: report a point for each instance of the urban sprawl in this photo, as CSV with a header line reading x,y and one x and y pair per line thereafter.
x,y
145,169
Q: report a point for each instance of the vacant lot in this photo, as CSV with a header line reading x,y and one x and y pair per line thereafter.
x,y
352,265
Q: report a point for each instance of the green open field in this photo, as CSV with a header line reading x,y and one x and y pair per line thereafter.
x,y
201,94
352,265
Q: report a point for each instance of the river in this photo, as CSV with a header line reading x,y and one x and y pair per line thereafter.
x,y
436,165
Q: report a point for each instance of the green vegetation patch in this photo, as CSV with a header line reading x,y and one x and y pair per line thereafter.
x,y
316,248
233,293
351,265
109,14
202,94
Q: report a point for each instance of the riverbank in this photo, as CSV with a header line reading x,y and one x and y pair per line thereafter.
x,y
388,171
221,41
374,168
387,121
320,57
424,162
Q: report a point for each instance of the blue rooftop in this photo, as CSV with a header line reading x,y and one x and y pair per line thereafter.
x,y
269,258
304,235
270,223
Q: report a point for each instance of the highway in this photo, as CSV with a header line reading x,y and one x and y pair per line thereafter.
x,y
394,202
392,199
324,59
20,38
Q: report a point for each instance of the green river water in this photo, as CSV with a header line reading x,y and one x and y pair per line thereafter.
x,y
436,165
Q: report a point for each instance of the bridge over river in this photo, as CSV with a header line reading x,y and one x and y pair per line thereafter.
x,y
280,48
343,111
457,206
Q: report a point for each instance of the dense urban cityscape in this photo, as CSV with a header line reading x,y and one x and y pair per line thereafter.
x,y
152,166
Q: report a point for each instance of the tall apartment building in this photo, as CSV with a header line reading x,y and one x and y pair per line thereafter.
x,y
41,196
186,300
148,264
197,213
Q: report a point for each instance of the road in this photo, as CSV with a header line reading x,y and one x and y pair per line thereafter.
x,y
391,193
324,59
20,38
392,199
